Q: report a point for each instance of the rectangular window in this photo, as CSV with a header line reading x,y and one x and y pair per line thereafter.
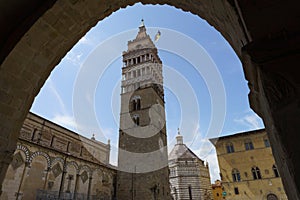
x,y
230,148
190,193
267,143
236,190
249,146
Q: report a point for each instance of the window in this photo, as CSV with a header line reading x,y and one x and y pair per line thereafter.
x,y
272,197
267,143
248,145
190,192
229,148
236,190
256,173
136,103
236,177
276,173
136,120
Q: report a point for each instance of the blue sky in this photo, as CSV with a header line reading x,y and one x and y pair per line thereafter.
x,y
192,80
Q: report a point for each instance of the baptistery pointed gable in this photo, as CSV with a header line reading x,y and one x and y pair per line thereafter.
x,y
181,151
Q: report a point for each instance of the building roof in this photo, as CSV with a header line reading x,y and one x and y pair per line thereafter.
x,y
181,151
215,140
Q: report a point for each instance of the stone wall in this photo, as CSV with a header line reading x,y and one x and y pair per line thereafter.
x,y
50,159
38,34
244,160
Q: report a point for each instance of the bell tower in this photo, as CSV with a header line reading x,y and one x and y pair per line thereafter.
x,y
142,160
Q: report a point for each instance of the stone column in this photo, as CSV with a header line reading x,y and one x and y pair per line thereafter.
x,y
76,185
269,66
5,159
89,188
25,171
61,188
46,178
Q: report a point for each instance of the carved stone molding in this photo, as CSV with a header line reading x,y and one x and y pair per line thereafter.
x,y
278,90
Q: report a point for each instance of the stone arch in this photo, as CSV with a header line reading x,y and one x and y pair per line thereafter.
x,y
98,189
86,168
74,164
55,175
39,165
38,37
71,172
25,150
57,159
41,153
42,34
272,196
85,177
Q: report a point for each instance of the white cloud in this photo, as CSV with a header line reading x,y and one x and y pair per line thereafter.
x,y
53,89
250,120
74,58
85,40
213,166
65,121
109,132
207,153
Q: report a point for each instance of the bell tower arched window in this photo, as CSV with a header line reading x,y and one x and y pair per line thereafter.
x,y
136,103
136,120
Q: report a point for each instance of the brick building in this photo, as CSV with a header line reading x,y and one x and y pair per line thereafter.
x,y
217,190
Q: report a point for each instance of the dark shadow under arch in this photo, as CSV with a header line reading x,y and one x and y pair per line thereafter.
x,y
38,35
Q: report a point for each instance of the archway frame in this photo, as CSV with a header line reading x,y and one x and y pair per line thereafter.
x,y
32,51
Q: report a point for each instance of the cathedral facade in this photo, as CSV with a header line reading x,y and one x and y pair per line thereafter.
x,y
52,162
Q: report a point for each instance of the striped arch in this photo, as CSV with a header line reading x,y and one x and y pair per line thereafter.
x,y
86,168
40,153
25,150
74,164
99,170
57,159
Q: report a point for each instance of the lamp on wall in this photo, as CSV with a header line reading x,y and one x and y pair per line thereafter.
x,y
270,182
